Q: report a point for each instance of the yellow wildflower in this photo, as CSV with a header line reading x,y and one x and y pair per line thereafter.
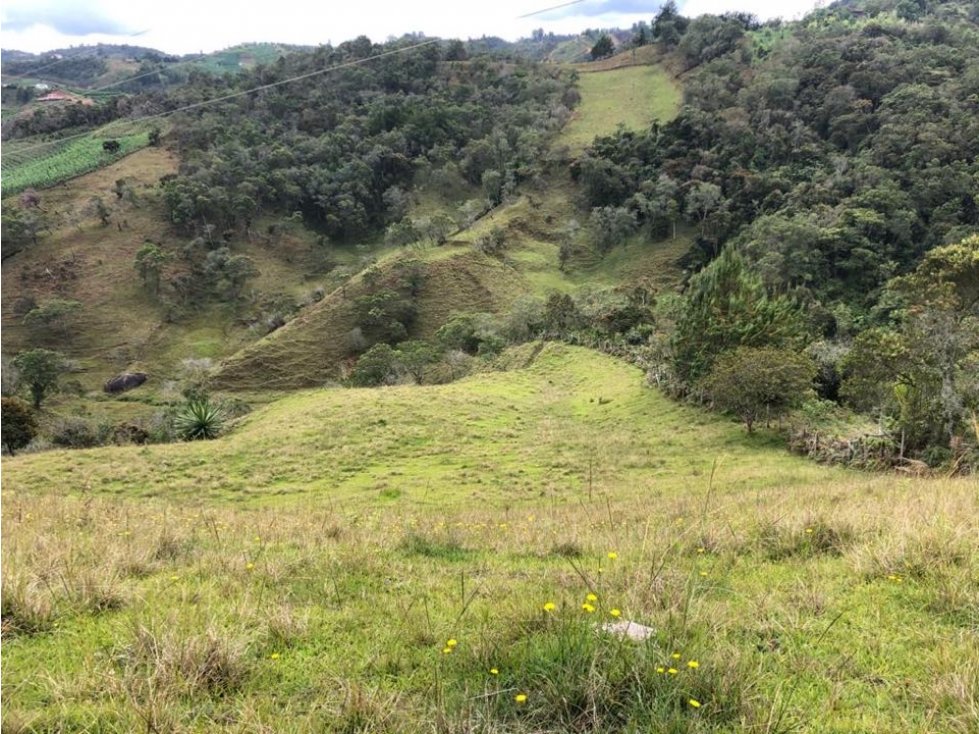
x,y
612,555
693,664
675,656
694,702
550,606
672,671
446,650
588,607
616,612
494,671
274,656
520,698
452,643
661,669
591,597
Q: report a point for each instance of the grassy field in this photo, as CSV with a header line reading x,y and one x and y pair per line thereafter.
x,y
632,96
386,560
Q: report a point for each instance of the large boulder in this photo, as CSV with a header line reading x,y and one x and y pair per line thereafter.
x,y
125,381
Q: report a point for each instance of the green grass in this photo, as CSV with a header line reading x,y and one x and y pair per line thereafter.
x,y
306,572
631,96
25,165
236,58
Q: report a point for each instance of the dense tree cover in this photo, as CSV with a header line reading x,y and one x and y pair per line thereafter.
x,y
820,162
834,163
337,147
919,368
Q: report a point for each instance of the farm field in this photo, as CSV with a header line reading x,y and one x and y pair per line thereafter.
x,y
38,165
438,558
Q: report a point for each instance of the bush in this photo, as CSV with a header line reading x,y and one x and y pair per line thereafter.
x,y
378,366
18,424
79,433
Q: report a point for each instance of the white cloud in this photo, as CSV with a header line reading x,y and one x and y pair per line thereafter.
x,y
188,26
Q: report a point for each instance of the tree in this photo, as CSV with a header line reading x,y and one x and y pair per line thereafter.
x,y
703,201
40,370
20,228
385,316
604,183
377,366
456,51
436,228
415,356
603,47
149,263
402,233
101,210
921,370
610,226
668,25
727,306
17,424
755,382
640,33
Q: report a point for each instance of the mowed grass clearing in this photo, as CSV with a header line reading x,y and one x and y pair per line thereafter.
x,y
364,560
631,96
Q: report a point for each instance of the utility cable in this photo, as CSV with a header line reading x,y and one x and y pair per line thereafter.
x,y
235,95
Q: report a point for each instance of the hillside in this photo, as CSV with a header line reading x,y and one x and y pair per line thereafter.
x,y
122,326
629,94
210,585
502,354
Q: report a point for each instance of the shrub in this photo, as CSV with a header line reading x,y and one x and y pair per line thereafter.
x,y
74,432
18,424
377,366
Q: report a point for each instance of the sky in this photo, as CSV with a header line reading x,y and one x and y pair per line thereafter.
x,y
186,26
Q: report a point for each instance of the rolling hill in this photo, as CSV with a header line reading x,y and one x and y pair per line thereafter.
x,y
344,553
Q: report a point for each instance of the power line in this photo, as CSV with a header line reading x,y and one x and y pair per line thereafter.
x,y
547,10
81,51
234,95
145,74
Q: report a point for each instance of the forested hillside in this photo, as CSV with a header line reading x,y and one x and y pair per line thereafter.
x,y
815,195
823,159
446,386
347,145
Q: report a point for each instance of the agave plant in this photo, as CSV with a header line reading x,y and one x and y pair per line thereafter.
x,y
199,419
